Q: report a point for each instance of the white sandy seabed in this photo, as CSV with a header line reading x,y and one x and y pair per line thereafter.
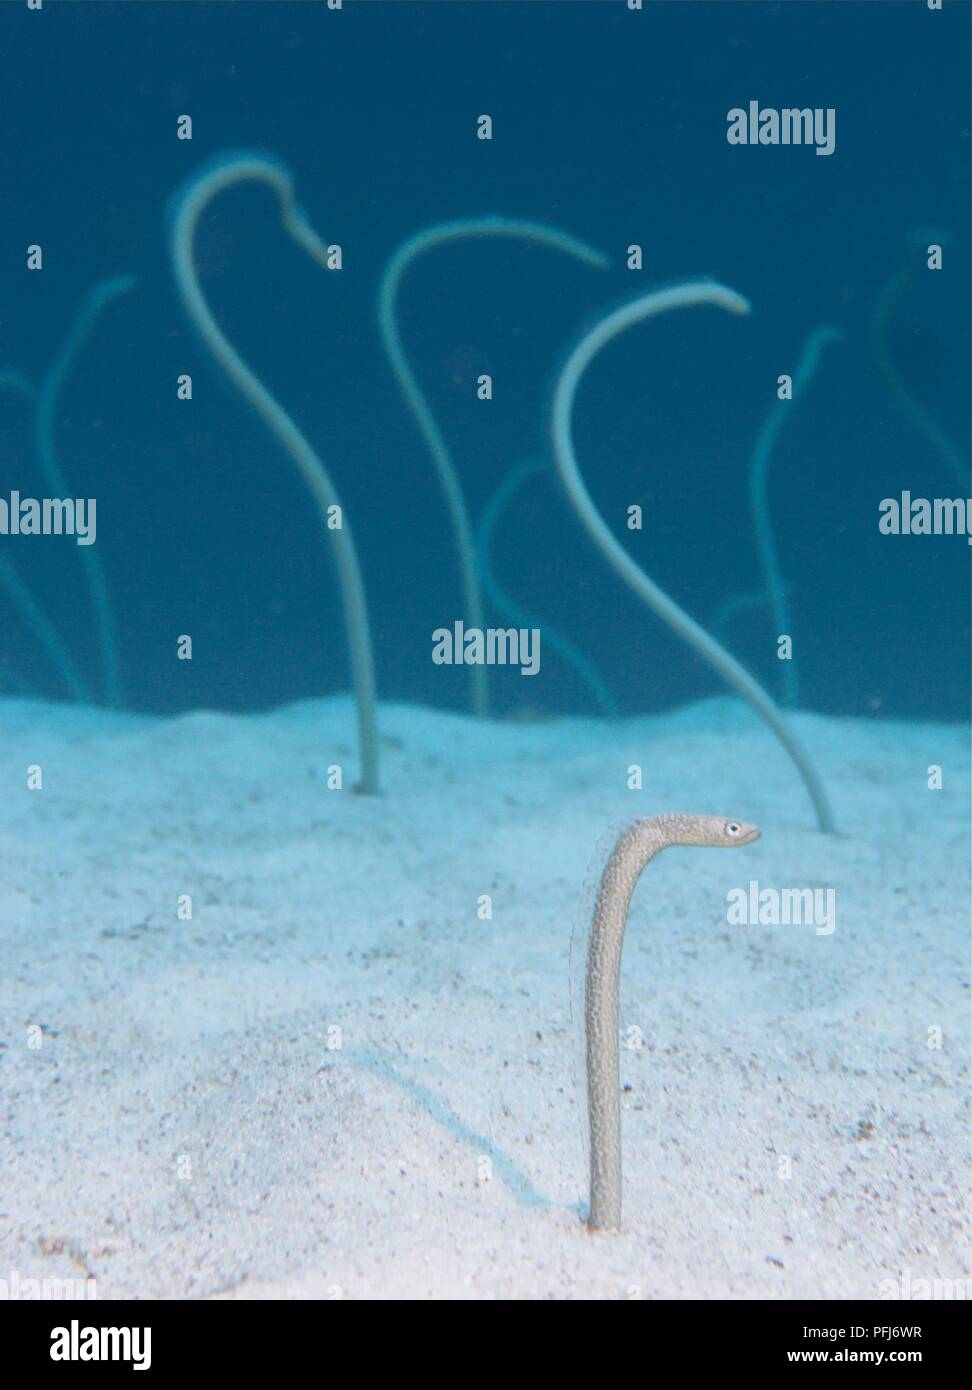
x,y
189,1127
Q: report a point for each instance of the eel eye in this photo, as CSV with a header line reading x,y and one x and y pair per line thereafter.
x,y
733,828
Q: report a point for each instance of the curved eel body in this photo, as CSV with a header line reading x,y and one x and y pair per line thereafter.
x,y
441,234
644,307
637,845
192,201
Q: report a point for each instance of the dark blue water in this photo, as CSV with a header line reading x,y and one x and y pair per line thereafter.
x,y
608,124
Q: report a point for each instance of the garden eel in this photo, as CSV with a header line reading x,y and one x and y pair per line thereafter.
x,y
643,307
637,844
759,466
441,234
192,200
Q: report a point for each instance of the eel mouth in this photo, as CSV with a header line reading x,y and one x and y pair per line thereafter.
x,y
749,836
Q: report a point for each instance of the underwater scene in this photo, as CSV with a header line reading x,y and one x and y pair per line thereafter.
x,y
463,463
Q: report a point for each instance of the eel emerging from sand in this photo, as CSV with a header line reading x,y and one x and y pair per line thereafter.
x,y
635,847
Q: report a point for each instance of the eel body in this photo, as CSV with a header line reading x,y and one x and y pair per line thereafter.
x,y
636,846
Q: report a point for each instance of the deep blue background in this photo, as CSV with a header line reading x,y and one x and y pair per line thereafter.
x,y
608,123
